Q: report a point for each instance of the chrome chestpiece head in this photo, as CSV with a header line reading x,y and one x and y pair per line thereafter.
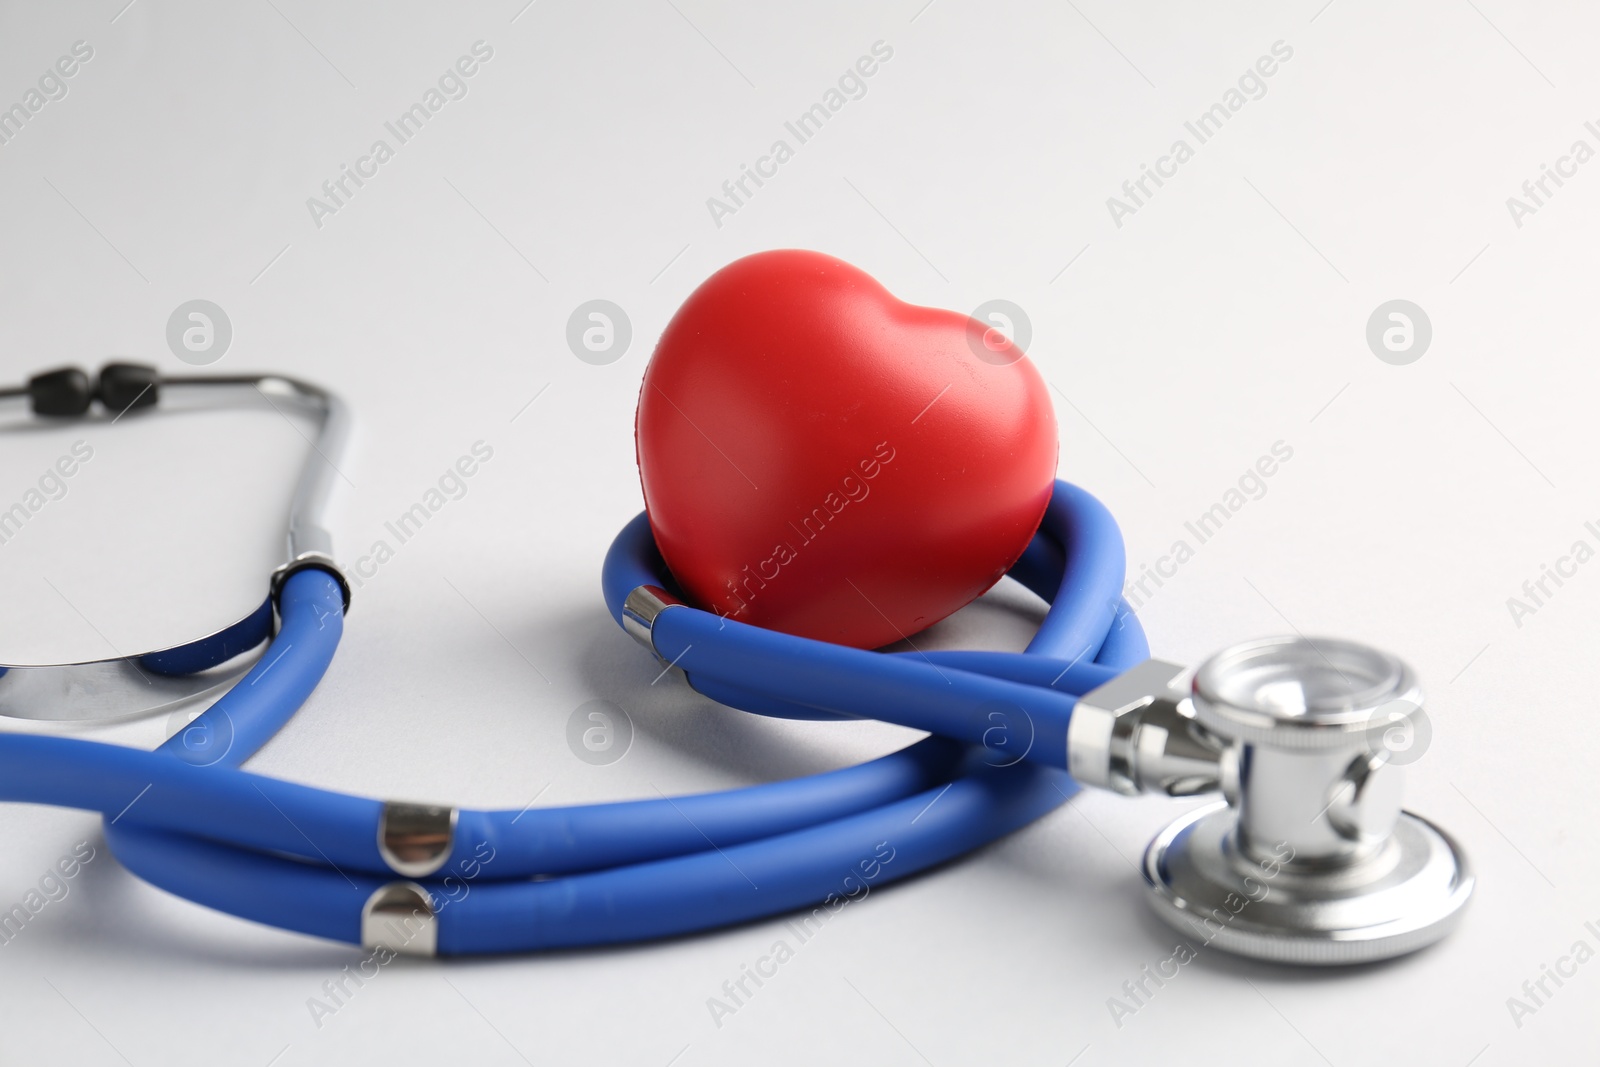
x,y
1309,858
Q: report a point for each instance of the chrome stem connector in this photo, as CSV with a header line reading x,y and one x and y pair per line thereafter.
x,y
1138,734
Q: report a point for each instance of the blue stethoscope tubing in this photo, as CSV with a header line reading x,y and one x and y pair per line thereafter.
x,y
189,820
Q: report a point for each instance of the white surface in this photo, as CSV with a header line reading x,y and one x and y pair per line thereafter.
x,y
1227,314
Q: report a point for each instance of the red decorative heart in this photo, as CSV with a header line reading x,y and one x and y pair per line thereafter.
x,y
822,459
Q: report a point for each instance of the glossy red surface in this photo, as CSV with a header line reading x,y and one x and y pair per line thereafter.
x,y
821,458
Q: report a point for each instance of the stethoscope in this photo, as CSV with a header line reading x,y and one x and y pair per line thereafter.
x,y
1307,858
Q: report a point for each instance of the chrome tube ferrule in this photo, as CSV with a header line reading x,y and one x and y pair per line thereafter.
x,y
640,610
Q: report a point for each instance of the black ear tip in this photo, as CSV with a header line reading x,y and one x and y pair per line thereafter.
x,y
63,392
128,385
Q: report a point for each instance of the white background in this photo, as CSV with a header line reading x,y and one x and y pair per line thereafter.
x,y
1228,313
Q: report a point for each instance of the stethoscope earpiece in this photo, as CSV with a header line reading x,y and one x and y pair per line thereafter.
x,y
68,392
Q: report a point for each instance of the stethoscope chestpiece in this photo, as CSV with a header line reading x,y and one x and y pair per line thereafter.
x,y
1310,858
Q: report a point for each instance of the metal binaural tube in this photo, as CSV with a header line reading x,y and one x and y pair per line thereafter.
x,y
139,683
